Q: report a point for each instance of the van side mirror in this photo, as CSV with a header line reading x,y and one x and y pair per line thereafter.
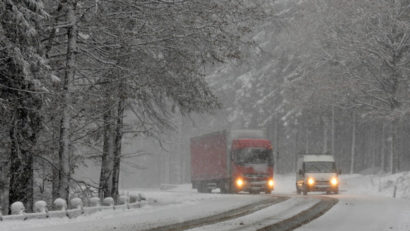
x,y
301,172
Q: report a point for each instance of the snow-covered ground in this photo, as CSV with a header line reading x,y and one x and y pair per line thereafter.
x,y
363,199
380,185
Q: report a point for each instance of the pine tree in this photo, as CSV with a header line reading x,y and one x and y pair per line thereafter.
x,y
22,71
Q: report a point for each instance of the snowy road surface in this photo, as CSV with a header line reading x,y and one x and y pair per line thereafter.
x,y
364,213
264,217
365,203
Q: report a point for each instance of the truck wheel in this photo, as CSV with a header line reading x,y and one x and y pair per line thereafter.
x,y
336,191
199,188
233,189
225,188
202,187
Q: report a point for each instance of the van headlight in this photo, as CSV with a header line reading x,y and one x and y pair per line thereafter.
x,y
311,181
334,181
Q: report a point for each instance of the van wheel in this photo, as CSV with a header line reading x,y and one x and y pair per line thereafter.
x,y
305,191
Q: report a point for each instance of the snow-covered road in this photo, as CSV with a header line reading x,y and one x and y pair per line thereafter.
x,y
365,203
264,217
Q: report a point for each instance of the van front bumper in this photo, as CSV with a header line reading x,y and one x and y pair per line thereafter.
x,y
321,187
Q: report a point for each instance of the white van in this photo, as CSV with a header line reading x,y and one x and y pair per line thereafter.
x,y
317,173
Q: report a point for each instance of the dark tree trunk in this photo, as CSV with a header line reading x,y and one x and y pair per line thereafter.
x,y
353,145
394,149
383,148
117,147
21,171
65,124
26,124
106,173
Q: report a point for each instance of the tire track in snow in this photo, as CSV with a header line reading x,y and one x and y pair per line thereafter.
x,y
304,217
228,215
265,217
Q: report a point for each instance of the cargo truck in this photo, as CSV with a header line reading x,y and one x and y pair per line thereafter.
x,y
317,173
233,161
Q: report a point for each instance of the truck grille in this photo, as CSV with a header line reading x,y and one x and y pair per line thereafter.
x,y
256,177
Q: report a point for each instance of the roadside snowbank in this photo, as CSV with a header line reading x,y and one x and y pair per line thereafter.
x,y
389,185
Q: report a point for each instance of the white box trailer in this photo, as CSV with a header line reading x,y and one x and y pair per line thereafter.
x,y
315,173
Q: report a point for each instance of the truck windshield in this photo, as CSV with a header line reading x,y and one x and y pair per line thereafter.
x,y
253,155
322,166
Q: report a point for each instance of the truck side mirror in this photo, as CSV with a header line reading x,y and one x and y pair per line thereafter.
x,y
301,172
339,171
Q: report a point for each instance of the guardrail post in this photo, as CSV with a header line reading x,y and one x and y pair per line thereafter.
x,y
17,208
109,201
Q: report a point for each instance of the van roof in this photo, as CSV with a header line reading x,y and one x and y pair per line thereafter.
x,y
310,158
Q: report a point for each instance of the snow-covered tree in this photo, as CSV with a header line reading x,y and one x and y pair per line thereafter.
x,y
23,72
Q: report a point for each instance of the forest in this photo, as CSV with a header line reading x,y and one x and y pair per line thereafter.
x,y
70,69
319,76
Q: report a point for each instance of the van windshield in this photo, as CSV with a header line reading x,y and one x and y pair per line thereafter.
x,y
322,167
253,155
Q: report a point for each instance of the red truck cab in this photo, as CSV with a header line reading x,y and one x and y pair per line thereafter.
x,y
234,161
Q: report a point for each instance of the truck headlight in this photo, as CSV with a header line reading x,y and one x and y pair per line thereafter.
x,y
334,181
271,183
311,181
239,182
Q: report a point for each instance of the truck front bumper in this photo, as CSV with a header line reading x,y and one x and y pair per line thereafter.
x,y
256,186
